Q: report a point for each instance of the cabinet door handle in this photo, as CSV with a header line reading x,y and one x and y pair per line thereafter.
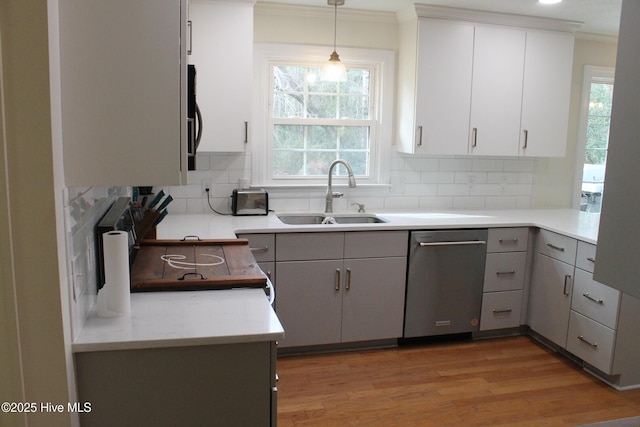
x,y
190,28
526,139
419,136
505,273
348,285
596,300
584,340
474,137
337,279
502,311
557,248
260,249
246,131
567,278
592,259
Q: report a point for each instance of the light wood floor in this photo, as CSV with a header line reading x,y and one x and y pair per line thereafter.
x,y
506,381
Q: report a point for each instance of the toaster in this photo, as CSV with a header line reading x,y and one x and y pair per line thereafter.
x,y
250,202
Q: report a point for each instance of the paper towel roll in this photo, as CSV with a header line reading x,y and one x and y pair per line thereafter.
x,y
115,247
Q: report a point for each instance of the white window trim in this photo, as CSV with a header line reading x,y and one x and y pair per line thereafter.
x,y
266,54
590,74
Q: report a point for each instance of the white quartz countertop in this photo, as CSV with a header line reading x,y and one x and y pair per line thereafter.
x,y
177,319
570,222
169,319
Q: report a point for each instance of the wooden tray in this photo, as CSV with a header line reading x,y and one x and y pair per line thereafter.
x,y
181,265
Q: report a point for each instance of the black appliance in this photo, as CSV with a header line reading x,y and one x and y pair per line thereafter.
x,y
194,119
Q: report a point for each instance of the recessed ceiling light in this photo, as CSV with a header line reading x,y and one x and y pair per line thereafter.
x,y
549,1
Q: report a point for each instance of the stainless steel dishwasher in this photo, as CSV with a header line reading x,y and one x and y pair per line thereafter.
x,y
444,282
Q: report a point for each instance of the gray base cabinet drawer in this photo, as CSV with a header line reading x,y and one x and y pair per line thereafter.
x,y
508,239
263,246
501,310
591,341
309,246
595,300
586,257
557,246
504,271
375,244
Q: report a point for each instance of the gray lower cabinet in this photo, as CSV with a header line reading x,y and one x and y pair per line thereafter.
x,y
551,286
212,385
340,287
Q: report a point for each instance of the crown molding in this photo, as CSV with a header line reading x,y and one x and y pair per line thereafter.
x,y
484,17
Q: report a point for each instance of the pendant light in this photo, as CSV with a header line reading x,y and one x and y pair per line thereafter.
x,y
334,70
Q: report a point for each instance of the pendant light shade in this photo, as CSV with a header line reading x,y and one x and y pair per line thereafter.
x,y
334,70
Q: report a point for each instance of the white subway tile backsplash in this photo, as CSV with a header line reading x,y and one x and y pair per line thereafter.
x,y
416,182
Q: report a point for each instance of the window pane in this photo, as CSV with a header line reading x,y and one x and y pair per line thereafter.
x,y
288,136
287,105
598,132
355,138
354,107
358,160
288,163
322,137
322,106
600,99
318,162
288,78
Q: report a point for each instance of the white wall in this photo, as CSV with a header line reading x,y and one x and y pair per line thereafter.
x,y
417,181
35,358
554,177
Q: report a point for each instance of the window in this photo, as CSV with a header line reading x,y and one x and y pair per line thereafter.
x,y
309,123
316,122
594,136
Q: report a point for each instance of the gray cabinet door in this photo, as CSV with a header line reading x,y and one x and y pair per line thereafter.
x,y
373,299
309,302
550,298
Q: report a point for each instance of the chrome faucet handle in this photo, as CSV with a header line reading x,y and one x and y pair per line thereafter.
x,y
360,207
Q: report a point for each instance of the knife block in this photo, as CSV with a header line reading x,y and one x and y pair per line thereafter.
x,y
145,227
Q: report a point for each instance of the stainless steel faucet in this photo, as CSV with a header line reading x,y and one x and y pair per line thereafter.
x,y
328,207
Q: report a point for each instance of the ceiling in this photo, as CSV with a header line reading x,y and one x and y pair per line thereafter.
x,y
601,17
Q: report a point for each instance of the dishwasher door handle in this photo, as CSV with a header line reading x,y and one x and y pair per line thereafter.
x,y
467,242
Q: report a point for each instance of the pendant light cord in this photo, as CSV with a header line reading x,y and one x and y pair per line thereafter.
x,y
335,24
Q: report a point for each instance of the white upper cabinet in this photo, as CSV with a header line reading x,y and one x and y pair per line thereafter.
x,y
498,64
546,94
119,86
444,77
478,83
222,52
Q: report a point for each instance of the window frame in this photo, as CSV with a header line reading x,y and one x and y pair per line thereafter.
x,y
591,74
381,63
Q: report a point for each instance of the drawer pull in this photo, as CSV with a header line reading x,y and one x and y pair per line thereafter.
x,y
584,340
557,248
596,300
261,249
592,259
505,273
567,278
503,311
514,240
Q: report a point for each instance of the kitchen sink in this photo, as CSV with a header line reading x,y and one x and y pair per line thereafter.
x,y
318,218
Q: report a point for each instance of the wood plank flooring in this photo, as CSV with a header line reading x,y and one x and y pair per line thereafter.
x,y
511,381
